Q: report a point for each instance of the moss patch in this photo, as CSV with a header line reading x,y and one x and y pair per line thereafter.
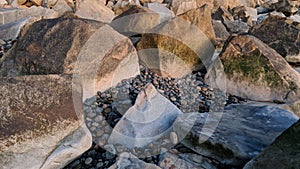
x,y
252,67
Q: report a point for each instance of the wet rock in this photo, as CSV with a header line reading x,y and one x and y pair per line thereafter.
x,y
242,132
254,71
282,153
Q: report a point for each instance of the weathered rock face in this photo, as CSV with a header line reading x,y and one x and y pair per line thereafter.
x,y
8,15
138,19
164,12
182,6
283,153
236,26
176,53
146,121
37,119
220,32
222,14
255,71
201,17
279,34
44,47
243,132
95,10
103,63
170,160
127,160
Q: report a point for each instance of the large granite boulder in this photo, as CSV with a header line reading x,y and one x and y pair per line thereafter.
x,y
254,71
44,48
243,132
39,125
172,49
201,17
282,153
280,34
147,121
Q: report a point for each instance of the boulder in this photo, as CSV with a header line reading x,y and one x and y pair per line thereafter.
x,y
279,34
8,15
287,7
39,125
230,4
236,26
254,71
201,17
221,33
138,20
182,6
114,58
282,153
164,12
44,48
177,52
147,121
171,160
246,14
222,14
242,132
126,160
94,10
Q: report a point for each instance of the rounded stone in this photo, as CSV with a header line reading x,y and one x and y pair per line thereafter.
x,y
88,161
173,138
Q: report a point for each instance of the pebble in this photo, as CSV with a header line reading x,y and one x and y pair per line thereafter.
x,y
189,94
173,138
88,161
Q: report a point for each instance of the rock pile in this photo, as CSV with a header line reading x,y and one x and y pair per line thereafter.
x,y
149,84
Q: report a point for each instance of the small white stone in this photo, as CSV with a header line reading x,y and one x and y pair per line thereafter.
x,y
173,138
88,161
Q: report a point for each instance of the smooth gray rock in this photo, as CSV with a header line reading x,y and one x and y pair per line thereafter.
x,y
12,30
243,132
146,121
